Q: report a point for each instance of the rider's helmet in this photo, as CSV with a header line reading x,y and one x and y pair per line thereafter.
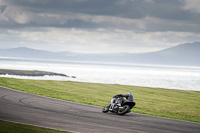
x,y
129,93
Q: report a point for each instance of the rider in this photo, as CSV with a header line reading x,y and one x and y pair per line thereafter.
x,y
128,96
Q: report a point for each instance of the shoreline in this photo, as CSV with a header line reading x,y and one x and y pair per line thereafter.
x,y
42,75
29,73
59,78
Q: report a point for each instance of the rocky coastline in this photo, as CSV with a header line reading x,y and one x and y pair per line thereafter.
x,y
29,73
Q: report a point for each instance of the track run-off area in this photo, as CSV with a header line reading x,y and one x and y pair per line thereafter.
x,y
26,108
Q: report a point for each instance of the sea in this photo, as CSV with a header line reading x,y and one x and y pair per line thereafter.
x,y
159,76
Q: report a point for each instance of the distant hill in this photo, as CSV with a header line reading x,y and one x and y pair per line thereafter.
x,y
183,54
23,52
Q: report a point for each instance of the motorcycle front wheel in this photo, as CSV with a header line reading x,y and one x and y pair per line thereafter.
x,y
124,110
106,108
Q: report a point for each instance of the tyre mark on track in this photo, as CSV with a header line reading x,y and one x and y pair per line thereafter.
x,y
3,97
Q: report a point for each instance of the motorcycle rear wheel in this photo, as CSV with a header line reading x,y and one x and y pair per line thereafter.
x,y
124,110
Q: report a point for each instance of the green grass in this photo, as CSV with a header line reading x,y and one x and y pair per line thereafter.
x,y
10,127
176,104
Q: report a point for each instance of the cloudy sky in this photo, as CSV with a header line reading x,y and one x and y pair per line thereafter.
x,y
98,26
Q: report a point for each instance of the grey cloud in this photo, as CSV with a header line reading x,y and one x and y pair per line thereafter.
x,y
177,19
135,9
2,8
119,24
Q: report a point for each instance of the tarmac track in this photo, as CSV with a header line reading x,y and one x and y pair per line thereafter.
x,y
41,111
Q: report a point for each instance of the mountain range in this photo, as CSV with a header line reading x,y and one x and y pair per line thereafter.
x,y
183,54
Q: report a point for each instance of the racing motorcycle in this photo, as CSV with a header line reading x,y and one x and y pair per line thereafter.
x,y
119,105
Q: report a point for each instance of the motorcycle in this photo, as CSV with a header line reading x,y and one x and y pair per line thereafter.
x,y
119,105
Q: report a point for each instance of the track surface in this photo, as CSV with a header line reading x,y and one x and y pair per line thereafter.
x,y
47,112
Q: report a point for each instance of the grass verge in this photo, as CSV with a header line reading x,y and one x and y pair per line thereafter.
x,y
11,127
176,104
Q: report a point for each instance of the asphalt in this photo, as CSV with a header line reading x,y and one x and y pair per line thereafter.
x,y
41,111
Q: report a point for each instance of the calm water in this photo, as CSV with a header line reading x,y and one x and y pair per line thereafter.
x,y
171,77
